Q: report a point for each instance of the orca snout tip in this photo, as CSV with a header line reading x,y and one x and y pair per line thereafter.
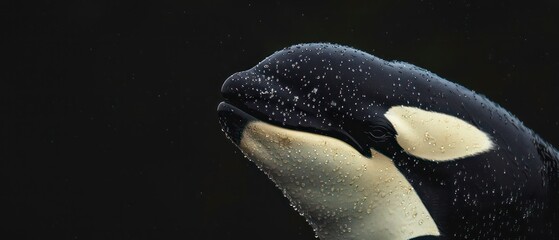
x,y
226,86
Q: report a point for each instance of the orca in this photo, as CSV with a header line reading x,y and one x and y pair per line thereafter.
x,y
371,149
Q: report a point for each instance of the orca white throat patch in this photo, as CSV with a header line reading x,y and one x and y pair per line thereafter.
x,y
436,136
341,193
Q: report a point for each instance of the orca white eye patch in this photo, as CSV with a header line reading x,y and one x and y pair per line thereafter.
x,y
436,136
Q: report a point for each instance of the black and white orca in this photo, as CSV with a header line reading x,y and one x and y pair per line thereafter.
x,y
370,149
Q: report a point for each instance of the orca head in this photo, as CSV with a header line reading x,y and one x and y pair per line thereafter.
x,y
313,88
325,123
355,97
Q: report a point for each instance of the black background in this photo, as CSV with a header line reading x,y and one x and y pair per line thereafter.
x,y
110,129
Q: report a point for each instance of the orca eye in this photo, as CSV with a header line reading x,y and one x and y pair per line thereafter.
x,y
378,133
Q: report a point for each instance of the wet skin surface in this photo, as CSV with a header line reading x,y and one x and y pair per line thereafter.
x,y
344,93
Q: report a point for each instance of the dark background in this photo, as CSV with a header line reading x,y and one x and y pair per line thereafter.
x,y
109,129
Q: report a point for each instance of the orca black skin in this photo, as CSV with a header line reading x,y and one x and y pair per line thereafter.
x,y
509,191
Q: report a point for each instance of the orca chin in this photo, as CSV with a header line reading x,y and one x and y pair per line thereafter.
x,y
233,121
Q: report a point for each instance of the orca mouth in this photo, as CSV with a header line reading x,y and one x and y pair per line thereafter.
x,y
253,96
234,118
